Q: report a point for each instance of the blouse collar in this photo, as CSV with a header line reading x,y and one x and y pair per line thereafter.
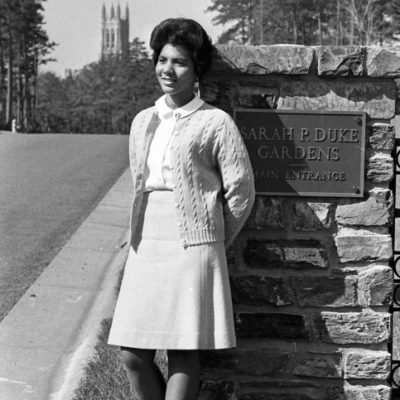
x,y
164,111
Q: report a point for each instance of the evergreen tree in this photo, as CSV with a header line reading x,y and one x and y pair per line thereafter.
x,y
52,112
23,46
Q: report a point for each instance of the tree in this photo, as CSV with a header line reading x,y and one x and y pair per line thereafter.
x,y
308,22
366,19
23,46
52,112
272,21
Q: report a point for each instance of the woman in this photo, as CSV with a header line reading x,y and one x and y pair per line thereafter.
x,y
193,190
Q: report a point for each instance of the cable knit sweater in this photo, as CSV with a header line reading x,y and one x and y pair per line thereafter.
x,y
213,179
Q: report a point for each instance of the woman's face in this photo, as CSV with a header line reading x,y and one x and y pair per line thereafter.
x,y
175,73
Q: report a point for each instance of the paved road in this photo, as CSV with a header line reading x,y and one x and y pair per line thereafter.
x,y
48,185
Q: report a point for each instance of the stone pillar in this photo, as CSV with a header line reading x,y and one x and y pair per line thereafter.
x,y
311,277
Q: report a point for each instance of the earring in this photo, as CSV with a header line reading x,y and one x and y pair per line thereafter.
x,y
196,88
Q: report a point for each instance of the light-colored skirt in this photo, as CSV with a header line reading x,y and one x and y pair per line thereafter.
x,y
171,297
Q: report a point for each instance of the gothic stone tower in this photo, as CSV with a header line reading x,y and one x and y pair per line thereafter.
x,y
114,32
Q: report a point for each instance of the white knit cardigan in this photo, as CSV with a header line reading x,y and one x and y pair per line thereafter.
x,y
213,179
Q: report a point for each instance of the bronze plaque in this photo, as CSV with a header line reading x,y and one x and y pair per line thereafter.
x,y
305,153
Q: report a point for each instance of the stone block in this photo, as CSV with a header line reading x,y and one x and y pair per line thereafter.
x,y
311,216
376,97
267,254
260,362
305,257
344,391
319,365
218,359
375,286
263,254
382,195
374,211
334,391
261,290
216,390
359,392
271,325
263,60
266,213
382,63
262,95
326,291
365,364
340,60
381,137
352,327
360,245
380,168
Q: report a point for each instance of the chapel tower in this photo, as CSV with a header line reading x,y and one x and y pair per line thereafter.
x,y
114,31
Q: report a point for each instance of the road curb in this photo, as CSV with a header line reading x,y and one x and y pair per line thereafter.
x,y
48,337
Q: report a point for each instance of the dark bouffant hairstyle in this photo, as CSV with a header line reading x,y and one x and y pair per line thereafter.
x,y
187,33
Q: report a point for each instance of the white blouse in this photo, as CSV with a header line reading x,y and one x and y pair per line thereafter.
x,y
157,173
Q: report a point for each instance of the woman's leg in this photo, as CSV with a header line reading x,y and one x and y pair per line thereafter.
x,y
183,375
145,377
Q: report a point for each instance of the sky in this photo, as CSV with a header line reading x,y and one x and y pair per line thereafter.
x,y
75,25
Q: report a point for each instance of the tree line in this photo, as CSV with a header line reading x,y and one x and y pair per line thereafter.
x,y
103,97
307,22
24,45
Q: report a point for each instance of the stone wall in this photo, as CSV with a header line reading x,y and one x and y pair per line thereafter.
x,y
311,277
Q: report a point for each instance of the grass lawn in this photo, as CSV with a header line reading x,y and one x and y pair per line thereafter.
x,y
105,376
